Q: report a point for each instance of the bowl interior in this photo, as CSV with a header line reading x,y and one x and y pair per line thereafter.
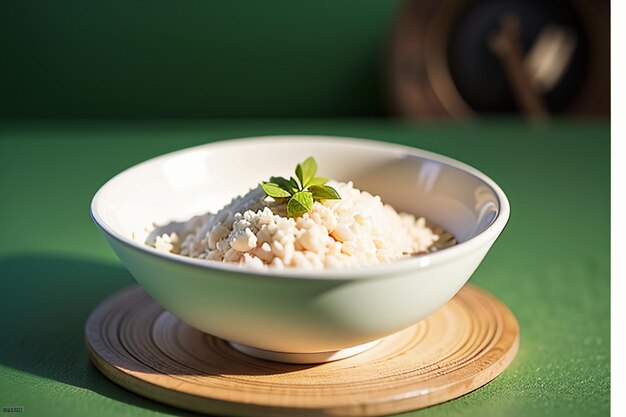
x,y
176,186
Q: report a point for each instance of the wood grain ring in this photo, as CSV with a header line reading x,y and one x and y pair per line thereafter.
x,y
461,347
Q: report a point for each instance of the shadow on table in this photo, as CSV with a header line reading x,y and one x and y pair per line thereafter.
x,y
44,304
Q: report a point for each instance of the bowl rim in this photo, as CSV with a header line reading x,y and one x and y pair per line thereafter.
x,y
491,232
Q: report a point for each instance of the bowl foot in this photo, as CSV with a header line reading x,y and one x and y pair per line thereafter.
x,y
304,358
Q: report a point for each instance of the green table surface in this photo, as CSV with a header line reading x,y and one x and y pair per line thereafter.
x,y
550,265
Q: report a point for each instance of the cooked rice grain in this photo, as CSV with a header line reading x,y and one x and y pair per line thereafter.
x,y
254,231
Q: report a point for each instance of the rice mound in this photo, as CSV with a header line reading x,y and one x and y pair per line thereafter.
x,y
252,230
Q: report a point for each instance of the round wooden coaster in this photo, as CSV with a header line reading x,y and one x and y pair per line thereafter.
x,y
464,345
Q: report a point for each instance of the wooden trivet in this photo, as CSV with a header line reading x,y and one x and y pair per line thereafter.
x,y
142,347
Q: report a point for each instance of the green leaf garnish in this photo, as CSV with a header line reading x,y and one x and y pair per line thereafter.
x,y
301,193
299,175
294,183
308,169
324,192
300,203
318,181
285,184
274,190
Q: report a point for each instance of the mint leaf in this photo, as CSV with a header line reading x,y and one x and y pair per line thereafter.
x,y
308,168
299,194
285,184
294,184
324,192
299,175
317,181
274,190
300,203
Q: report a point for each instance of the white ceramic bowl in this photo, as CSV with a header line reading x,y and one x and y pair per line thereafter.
x,y
305,316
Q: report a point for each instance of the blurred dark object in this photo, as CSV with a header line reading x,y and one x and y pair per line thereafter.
x,y
464,58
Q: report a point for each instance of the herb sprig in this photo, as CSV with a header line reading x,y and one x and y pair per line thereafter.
x,y
301,193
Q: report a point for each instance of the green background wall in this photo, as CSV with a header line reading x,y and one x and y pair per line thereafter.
x,y
192,58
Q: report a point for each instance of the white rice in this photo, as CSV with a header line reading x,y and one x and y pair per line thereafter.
x,y
252,230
